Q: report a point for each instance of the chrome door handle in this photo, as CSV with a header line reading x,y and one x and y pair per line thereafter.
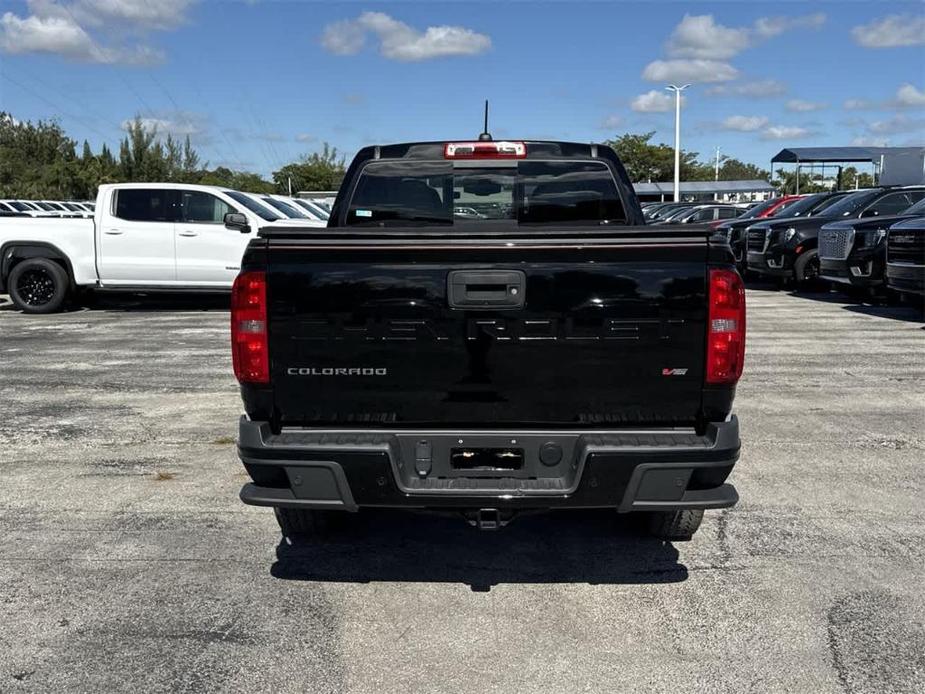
x,y
113,232
189,233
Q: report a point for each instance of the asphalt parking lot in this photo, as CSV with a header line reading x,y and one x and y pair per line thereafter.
x,y
128,563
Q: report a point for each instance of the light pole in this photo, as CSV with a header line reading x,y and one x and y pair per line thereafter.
x,y
677,137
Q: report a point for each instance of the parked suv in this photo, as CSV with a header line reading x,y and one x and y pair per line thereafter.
x,y
787,248
854,253
787,206
905,257
704,214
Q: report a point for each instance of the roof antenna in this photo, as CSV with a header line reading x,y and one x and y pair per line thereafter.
x,y
485,136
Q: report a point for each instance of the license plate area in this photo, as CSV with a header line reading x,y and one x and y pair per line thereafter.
x,y
513,455
487,459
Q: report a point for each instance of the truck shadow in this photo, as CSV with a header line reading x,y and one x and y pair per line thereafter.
x,y
870,306
595,547
153,302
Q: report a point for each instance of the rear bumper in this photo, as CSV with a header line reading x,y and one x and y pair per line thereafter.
x,y
626,470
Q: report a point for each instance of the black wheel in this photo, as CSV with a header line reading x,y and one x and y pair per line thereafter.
x,y
38,285
806,269
302,524
675,525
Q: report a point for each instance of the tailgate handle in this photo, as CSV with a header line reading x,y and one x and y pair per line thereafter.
x,y
486,289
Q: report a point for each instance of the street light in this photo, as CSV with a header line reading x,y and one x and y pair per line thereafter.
x,y
677,137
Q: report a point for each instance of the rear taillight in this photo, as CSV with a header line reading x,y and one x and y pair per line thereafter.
x,y
726,329
485,150
250,351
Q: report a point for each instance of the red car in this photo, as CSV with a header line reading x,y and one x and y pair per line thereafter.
x,y
768,208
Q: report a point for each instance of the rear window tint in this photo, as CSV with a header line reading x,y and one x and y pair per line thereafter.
x,y
145,205
528,192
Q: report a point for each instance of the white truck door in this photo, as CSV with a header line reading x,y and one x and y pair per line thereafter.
x,y
136,238
208,253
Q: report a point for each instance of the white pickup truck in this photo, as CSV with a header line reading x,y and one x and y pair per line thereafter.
x,y
143,237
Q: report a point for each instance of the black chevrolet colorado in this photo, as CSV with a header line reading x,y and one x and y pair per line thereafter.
x,y
550,351
788,248
853,252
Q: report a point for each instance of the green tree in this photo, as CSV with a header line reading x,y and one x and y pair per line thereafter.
x,y
645,161
851,179
322,170
731,169
238,180
787,183
37,160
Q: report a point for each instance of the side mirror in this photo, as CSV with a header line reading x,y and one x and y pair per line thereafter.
x,y
236,220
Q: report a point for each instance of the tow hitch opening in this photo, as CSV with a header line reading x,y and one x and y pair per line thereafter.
x,y
488,518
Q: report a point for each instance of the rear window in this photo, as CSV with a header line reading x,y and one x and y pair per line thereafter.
x,y
444,194
145,204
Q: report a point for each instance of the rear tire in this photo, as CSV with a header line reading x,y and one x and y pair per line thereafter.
x,y
302,524
38,285
674,526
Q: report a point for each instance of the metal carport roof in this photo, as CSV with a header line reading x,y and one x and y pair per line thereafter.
x,y
821,155
667,187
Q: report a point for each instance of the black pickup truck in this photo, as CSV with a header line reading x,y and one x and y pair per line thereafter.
x,y
542,349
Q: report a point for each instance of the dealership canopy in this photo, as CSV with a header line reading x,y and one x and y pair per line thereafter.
x,y
890,165
819,155
703,188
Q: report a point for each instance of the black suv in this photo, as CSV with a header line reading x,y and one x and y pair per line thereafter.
x,y
854,253
905,257
787,248
734,229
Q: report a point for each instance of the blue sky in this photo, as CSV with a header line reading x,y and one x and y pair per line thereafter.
x,y
257,83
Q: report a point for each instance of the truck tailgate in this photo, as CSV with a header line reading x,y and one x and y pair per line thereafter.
x,y
440,332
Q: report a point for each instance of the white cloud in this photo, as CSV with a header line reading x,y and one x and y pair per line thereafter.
x,y
145,14
897,124
858,104
305,137
786,132
689,71
700,37
398,41
803,106
745,124
699,48
654,101
755,88
611,122
179,124
865,141
343,38
908,96
891,31
47,35
65,29
766,27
